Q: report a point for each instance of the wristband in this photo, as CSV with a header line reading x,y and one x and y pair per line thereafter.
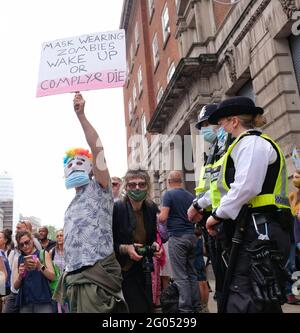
x,y
215,216
196,205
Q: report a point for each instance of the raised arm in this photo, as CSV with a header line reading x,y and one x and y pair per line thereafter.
x,y
100,170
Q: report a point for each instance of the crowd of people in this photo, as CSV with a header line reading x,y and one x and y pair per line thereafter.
x,y
120,252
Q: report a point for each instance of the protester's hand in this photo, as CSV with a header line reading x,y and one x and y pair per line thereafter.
x,y
210,225
38,264
194,215
296,174
158,250
33,263
22,270
78,103
132,253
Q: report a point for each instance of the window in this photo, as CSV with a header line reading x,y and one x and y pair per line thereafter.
x,y
247,91
134,95
140,80
127,73
155,51
150,8
165,23
137,37
133,153
130,113
159,94
131,57
295,50
143,125
171,71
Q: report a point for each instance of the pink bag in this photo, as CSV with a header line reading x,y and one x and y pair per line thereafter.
x,y
163,232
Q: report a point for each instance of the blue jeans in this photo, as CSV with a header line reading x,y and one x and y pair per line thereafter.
x,y
182,258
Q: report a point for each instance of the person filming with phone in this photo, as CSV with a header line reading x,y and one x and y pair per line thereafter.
x,y
32,278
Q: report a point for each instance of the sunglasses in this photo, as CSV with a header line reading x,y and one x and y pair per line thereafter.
x,y
141,185
115,184
26,243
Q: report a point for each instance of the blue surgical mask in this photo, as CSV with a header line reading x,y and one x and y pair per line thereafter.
x,y
222,134
77,179
209,134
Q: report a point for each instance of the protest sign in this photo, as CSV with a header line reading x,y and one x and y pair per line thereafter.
x,y
94,61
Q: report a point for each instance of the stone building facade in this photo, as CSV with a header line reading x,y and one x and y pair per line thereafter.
x,y
248,49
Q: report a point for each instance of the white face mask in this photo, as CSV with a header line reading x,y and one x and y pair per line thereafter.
x,y
78,163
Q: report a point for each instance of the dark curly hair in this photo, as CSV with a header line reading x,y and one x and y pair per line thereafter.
x,y
7,233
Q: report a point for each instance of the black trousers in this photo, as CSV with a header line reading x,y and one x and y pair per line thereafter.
x,y
241,297
137,289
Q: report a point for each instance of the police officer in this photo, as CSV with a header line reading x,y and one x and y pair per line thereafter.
x,y
210,136
253,172
219,141
217,138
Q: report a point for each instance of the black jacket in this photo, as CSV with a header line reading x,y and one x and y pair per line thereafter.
x,y
123,227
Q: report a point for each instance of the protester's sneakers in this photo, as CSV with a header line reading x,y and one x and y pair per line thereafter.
x,y
291,299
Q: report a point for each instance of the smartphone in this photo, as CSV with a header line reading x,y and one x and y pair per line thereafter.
x,y
26,258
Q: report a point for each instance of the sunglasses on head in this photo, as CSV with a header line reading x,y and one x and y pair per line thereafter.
x,y
133,185
26,243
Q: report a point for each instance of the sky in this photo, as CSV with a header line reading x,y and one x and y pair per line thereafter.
x,y
36,132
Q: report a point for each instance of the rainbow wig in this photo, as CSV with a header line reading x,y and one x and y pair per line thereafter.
x,y
76,151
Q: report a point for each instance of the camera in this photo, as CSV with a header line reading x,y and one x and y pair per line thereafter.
x,y
145,251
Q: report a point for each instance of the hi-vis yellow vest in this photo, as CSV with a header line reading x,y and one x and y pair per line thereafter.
x,y
204,179
274,190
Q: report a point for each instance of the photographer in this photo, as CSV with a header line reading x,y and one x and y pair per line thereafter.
x,y
134,234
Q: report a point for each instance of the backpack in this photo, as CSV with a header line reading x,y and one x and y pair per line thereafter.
x,y
169,299
53,283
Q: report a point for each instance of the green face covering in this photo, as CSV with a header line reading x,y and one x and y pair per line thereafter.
x,y
137,195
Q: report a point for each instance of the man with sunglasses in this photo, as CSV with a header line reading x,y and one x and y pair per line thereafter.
x,y
116,183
